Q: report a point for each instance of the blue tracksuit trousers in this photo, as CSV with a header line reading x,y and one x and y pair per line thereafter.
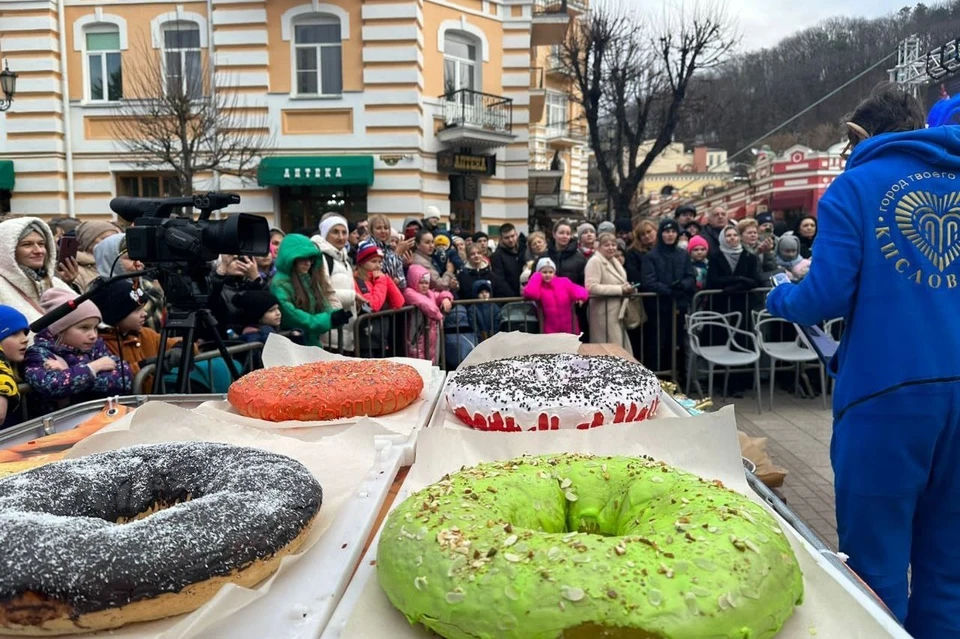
x,y
896,460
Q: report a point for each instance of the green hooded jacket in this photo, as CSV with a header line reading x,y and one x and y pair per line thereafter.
x,y
313,324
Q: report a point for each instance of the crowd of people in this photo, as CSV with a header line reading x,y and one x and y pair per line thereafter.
x,y
316,284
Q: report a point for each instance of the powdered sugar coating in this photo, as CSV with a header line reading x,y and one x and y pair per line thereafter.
x,y
549,392
60,539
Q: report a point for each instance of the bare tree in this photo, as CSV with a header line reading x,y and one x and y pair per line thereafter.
x,y
171,120
630,78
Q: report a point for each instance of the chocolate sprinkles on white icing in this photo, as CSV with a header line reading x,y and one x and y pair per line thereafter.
x,y
568,386
224,507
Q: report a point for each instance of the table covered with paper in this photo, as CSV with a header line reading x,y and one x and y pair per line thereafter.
x,y
706,445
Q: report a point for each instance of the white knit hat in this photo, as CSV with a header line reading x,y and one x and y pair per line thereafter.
x,y
545,262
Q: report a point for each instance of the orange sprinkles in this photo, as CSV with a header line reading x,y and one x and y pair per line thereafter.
x,y
324,391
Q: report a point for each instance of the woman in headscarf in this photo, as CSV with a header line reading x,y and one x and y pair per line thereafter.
x,y
806,231
734,270
89,234
28,259
112,259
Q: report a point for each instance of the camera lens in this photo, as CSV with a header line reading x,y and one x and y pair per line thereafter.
x,y
240,234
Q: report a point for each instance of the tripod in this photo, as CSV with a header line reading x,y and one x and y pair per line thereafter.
x,y
188,316
185,324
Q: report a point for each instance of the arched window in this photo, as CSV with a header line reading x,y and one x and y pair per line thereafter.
x,y
104,68
318,55
182,62
461,66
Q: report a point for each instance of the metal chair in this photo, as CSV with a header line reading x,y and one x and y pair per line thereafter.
x,y
732,318
794,351
729,355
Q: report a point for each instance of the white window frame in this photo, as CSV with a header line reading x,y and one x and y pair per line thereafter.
x,y
553,107
182,25
96,28
97,22
475,65
303,14
315,19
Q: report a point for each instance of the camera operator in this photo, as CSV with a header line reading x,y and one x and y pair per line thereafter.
x,y
232,275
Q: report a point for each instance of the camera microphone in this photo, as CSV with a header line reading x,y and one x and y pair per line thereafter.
x,y
55,315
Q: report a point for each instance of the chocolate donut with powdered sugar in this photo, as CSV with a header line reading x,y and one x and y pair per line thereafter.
x,y
145,532
550,392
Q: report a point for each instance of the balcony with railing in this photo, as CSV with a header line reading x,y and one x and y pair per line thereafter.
x,y
566,200
477,120
566,134
551,19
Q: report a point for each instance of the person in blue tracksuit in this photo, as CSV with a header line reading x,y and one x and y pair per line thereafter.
x,y
888,262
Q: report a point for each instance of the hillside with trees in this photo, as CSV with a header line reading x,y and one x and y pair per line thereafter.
x,y
732,105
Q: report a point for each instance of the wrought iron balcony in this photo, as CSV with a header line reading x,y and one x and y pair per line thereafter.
x,y
550,21
475,119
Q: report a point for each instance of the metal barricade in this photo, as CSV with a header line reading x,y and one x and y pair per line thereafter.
x,y
653,341
248,349
469,322
383,333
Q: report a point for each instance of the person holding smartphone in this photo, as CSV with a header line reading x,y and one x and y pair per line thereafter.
x,y
886,263
232,275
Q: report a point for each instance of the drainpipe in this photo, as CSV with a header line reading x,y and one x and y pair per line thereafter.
x,y
67,124
213,81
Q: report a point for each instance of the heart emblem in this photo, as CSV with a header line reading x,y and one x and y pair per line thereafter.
x,y
932,223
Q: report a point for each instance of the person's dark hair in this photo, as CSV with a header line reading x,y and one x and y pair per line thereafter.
x,y
887,110
308,231
420,234
506,228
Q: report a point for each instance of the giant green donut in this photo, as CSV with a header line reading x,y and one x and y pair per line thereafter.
x,y
578,546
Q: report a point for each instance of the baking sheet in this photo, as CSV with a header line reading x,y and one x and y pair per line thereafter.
x,y
339,463
280,351
706,445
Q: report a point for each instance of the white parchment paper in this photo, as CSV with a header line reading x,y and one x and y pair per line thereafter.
x,y
280,351
706,445
515,344
339,463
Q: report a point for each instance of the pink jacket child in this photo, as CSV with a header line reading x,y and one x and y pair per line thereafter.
x,y
432,305
556,296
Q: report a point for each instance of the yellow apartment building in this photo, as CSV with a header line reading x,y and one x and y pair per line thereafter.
x,y
373,106
684,172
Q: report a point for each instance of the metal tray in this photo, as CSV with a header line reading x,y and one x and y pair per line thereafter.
x,y
70,417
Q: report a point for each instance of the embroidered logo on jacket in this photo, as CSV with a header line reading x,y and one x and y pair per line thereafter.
x,y
918,229
932,223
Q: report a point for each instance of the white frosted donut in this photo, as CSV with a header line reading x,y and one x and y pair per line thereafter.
x,y
550,392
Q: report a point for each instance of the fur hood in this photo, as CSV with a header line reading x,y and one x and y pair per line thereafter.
x,y
10,231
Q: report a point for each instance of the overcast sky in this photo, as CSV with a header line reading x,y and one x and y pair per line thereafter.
x,y
763,23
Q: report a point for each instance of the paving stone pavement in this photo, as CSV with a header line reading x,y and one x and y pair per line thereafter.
x,y
798,432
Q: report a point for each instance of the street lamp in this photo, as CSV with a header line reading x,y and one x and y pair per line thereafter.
x,y
8,84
